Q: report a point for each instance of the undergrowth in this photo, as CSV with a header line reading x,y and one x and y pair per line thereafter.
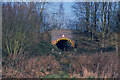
x,y
72,66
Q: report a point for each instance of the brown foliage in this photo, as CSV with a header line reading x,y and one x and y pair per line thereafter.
x,y
31,68
83,66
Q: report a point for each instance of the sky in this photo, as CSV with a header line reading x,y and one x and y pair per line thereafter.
x,y
68,8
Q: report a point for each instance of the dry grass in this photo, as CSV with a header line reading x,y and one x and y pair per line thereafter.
x,y
82,66
32,68
104,65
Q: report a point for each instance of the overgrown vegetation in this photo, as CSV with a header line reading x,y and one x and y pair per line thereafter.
x,y
86,45
28,53
72,66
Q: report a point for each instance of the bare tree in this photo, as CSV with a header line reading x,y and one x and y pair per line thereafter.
x,y
61,16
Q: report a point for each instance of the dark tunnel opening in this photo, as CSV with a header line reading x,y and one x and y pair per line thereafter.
x,y
64,45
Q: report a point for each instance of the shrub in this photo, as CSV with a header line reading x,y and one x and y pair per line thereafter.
x,y
14,43
41,48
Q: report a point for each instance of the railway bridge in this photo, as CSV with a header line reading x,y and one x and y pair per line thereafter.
x,y
62,38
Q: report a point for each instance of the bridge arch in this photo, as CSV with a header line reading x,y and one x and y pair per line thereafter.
x,y
64,39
